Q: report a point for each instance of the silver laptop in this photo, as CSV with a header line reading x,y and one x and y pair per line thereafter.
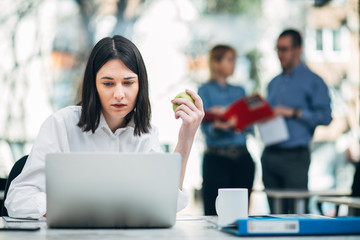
x,y
112,190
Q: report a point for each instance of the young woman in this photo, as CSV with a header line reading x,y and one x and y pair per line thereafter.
x,y
227,162
113,116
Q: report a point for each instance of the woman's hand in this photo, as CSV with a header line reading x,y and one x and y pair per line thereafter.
x,y
217,110
285,111
191,115
225,125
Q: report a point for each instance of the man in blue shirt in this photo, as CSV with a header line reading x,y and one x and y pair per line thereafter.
x,y
302,98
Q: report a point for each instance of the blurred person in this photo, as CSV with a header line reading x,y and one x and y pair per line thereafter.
x,y
302,98
227,162
114,108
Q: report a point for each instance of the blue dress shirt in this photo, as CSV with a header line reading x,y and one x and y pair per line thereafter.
x,y
301,89
214,94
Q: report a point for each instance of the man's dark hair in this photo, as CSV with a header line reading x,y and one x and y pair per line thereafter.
x,y
107,49
295,36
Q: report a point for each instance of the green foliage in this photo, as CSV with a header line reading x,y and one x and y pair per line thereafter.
x,y
233,7
254,56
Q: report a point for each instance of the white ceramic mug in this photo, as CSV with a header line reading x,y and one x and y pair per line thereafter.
x,y
231,204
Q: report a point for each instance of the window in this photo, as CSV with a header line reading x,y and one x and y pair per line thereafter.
x,y
319,39
336,40
328,44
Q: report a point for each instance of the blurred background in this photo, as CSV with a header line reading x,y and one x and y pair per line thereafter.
x,y
45,45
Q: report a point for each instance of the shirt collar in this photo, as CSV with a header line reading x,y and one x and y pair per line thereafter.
x,y
219,85
296,69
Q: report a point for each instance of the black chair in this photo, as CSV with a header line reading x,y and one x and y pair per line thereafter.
x,y
2,186
15,171
355,188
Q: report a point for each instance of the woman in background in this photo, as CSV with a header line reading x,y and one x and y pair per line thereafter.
x,y
227,162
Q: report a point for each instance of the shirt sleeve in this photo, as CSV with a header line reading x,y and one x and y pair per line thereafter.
x,y
183,199
319,110
208,128
205,97
27,194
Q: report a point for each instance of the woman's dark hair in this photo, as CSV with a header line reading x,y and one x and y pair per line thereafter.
x,y
107,49
217,53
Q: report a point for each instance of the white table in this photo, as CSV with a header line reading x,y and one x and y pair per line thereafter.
x,y
299,197
351,202
197,228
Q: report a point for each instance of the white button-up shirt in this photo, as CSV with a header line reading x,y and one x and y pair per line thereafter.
x,y
59,133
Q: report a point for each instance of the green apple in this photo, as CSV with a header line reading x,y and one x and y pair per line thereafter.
x,y
182,95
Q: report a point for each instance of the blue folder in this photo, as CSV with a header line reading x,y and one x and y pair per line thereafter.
x,y
294,225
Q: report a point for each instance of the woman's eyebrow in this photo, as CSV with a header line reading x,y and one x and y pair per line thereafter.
x,y
130,77
125,78
110,78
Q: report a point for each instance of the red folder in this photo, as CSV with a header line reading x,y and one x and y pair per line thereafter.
x,y
247,111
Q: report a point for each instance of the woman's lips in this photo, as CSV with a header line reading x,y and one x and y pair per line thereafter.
x,y
118,105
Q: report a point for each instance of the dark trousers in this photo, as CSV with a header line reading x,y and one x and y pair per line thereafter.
x,y
285,169
220,171
356,186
